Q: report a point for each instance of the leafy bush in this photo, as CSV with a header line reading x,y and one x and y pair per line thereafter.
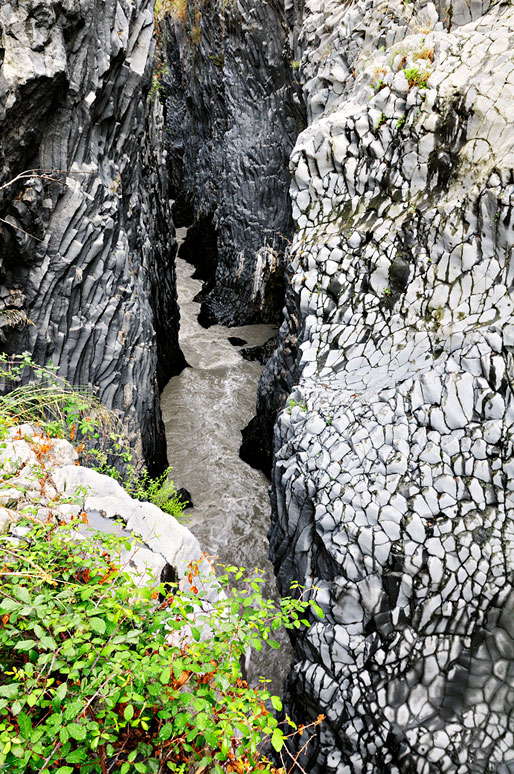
x,y
99,676
160,491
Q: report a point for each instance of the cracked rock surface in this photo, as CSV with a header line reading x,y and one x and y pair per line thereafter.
x,y
86,272
393,477
233,115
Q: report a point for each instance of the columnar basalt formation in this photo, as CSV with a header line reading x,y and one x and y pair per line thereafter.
x,y
233,115
393,474
88,260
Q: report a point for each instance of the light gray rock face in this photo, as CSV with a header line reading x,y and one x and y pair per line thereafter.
x,y
88,260
42,474
393,476
233,115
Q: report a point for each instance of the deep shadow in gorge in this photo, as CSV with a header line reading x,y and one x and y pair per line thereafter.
x,y
233,111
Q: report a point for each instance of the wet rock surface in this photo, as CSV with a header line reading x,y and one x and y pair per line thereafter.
x,y
88,259
392,479
233,115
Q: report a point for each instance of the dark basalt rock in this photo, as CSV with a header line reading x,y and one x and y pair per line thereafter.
x,y
262,352
184,495
233,113
88,259
256,445
236,341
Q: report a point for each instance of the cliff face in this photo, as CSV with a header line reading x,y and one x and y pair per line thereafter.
x,y
88,260
233,115
393,476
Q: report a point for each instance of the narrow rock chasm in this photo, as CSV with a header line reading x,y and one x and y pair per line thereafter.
x,y
345,170
205,408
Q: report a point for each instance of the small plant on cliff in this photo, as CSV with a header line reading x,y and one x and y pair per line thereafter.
x,y
99,675
291,403
425,53
416,77
49,400
160,491
175,9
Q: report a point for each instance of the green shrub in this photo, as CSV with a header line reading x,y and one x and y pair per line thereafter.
x,y
98,675
160,491
50,401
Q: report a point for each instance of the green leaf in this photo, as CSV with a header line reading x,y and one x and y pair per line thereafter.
x,y
273,644
317,609
61,691
77,731
276,703
166,731
48,643
128,712
16,707
195,631
76,756
25,725
63,734
10,691
165,675
178,668
277,740
98,625
25,645
8,604
23,594
39,631
65,770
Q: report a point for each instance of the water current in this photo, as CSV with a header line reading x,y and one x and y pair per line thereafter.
x,y
204,411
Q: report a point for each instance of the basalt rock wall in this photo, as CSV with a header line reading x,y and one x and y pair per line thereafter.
x,y
393,478
87,277
233,115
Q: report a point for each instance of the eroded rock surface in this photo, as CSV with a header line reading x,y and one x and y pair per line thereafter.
x,y
393,473
88,259
233,115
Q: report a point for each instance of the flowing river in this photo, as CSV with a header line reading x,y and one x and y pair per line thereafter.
x,y
204,410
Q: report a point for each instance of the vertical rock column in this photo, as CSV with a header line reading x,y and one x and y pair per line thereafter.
x,y
233,115
88,260
393,478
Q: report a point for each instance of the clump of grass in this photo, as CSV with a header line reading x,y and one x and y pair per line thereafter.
x,y
378,78
415,77
174,9
425,53
49,400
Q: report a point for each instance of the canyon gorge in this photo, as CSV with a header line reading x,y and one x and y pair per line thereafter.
x,y
345,170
